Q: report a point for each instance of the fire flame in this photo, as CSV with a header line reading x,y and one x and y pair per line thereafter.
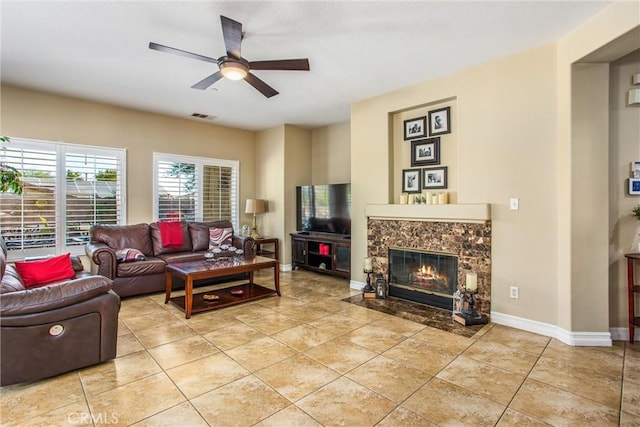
x,y
428,271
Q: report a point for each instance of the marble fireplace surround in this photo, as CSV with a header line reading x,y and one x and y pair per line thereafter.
x,y
463,230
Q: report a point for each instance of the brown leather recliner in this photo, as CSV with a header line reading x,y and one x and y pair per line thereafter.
x,y
54,328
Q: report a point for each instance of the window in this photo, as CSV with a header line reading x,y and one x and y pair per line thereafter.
x,y
67,188
195,189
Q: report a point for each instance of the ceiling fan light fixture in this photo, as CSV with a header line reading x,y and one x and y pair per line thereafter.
x,y
233,70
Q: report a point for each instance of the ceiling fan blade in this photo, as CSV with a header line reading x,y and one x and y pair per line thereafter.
x,y
264,88
281,64
207,81
173,50
232,33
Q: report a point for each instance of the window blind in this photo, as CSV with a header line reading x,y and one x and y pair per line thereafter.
x,y
195,189
92,192
28,221
67,188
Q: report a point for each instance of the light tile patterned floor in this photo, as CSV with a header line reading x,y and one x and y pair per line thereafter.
x,y
309,359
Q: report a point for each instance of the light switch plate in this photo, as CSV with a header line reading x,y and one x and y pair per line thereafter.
x,y
514,203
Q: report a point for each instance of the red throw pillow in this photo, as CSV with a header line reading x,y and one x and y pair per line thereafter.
x,y
47,270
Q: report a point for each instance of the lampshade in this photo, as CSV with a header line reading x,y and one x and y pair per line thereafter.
x,y
233,70
255,206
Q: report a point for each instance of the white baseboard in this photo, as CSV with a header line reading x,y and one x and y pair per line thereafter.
x,y
622,334
578,339
285,267
354,284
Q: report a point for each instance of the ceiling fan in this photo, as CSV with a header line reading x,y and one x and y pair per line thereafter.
x,y
233,66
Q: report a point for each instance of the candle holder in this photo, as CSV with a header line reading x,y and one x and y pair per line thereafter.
x,y
368,287
470,316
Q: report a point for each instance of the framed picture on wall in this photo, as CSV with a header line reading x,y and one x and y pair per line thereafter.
x,y
634,186
415,128
425,152
440,121
434,178
411,180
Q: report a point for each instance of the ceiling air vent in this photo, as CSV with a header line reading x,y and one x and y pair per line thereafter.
x,y
203,116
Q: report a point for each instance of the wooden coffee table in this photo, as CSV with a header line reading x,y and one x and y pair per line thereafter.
x,y
199,270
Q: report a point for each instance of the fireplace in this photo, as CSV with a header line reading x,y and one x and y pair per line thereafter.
x,y
460,231
422,276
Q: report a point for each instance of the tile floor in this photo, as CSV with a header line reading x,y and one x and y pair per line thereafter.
x,y
309,359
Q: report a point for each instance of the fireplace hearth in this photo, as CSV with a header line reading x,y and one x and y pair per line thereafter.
x,y
421,276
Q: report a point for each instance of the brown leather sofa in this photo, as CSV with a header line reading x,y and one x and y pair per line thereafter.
x,y
147,276
46,330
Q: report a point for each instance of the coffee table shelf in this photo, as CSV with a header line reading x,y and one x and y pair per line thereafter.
x,y
250,292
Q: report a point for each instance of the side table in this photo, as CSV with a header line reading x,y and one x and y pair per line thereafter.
x,y
633,290
274,253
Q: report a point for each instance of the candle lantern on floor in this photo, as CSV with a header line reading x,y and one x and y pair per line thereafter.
x,y
469,316
368,291
458,301
381,288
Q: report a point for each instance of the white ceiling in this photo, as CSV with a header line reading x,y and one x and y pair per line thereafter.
x,y
357,50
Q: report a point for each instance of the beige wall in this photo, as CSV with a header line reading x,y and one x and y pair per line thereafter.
x,y
272,162
331,154
503,116
518,135
600,34
284,154
298,171
49,117
589,162
270,180
624,147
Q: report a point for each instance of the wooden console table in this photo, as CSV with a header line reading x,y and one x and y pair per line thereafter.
x,y
198,270
633,290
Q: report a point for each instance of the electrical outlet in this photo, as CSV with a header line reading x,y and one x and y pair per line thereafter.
x,y
513,292
514,203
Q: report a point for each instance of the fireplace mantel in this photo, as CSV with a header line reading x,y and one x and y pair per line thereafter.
x,y
468,212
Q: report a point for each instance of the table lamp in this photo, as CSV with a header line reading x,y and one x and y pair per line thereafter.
x,y
255,206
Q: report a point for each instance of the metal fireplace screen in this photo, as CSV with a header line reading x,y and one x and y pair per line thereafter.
x,y
426,277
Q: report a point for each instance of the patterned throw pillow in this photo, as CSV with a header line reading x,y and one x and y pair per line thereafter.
x,y
129,255
220,236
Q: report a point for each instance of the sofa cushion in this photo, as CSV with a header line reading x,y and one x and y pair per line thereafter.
x,y
200,232
141,268
182,257
156,239
129,255
123,236
45,270
220,236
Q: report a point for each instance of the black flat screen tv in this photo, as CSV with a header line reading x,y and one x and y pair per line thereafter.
x,y
324,208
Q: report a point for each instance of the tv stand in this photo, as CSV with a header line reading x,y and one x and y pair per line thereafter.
x,y
322,252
